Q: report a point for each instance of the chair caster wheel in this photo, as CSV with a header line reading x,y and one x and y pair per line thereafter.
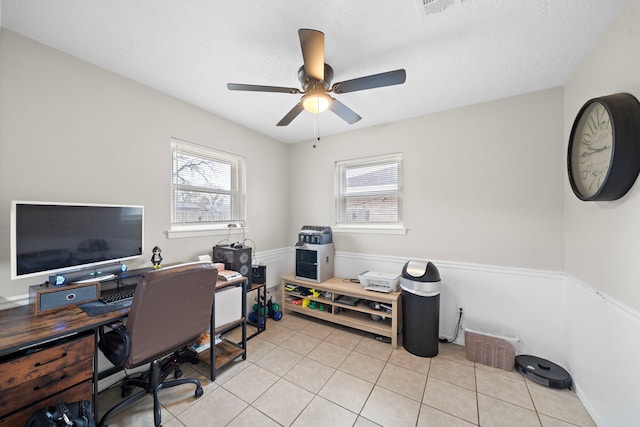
x,y
199,392
177,373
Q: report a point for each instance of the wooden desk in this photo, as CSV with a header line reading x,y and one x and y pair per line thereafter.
x,y
46,357
64,342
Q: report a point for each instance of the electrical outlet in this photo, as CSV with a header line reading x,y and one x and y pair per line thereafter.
x,y
459,309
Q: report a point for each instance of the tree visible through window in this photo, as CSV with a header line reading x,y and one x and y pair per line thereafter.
x,y
368,191
207,185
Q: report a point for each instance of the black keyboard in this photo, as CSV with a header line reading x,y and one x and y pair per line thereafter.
x,y
120,296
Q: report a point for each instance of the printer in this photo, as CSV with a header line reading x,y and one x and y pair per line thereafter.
x,y
381,282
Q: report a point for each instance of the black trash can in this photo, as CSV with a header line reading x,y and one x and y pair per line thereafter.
x,y
421,285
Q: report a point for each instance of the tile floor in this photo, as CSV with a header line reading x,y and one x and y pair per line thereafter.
x,y
303,372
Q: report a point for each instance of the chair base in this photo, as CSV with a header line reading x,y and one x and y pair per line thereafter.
x,y
153,381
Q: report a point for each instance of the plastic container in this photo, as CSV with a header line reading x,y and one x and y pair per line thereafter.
x,y
490,345
421,286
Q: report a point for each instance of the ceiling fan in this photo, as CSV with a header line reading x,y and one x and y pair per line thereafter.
x,y
315,77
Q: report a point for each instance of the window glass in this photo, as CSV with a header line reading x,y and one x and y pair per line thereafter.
x,y
368,191
207,186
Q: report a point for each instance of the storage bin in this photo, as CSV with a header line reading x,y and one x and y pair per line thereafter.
x,y
490,346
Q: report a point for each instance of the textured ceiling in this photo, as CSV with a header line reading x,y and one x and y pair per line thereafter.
x,y
474,51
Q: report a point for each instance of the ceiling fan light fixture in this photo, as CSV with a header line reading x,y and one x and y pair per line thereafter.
x,y
316,102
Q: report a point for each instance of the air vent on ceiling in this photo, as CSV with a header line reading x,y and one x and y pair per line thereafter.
x,y
429,7
434,6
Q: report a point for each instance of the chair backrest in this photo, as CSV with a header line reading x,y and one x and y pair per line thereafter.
x,y
171,307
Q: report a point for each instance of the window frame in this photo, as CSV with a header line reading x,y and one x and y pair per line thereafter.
x,y
237,191
341,166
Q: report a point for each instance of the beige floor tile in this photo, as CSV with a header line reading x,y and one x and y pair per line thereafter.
x,y
322,413
310,374
445,348
347,391
330,354
174,422
548,421
362,366
215,409
257,347
453,372
140,414
293,321
431,417
363,422
249,384
178,399
504,388
251,417
402,357
515,375
495,412
318,329
372,347
390,409
403,381
345,337
452,399
456,355
560,404
283,402
228,372
301,343
279,361
333,384
276,334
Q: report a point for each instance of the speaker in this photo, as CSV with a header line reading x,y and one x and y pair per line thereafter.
x,y
259,274
44,298
86,274
235,257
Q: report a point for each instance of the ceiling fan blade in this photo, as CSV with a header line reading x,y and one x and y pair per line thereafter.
x,y
344,112
312,45
259,88
292,114
389,78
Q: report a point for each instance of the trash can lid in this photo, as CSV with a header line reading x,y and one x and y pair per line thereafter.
x,y
421,271
425,289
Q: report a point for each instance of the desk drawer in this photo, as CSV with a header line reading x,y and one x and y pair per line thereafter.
x,y
44,362
25,393
32,377
82,391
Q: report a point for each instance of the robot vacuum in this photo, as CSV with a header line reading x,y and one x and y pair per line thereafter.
x,y
542,371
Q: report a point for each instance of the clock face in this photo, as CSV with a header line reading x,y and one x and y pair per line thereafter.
x,y
592,149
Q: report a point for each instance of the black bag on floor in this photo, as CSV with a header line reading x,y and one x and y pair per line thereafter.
x,y
76,414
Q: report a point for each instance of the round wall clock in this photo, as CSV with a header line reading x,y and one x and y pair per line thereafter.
x,y
604,148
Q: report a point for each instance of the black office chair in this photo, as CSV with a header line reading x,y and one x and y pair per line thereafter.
x,y
171,307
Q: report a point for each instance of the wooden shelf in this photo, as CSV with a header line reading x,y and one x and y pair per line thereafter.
x,y
225,352
358,316
226,327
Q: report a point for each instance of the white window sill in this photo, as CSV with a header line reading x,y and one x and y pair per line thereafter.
x,y
369,229
195,231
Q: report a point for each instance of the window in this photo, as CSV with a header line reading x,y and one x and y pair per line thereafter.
x,y
369,192
207,187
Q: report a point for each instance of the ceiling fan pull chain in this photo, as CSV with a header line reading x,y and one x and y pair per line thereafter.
x,y
317,128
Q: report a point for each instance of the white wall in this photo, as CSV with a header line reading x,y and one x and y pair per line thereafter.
x,y
70,131
482,184
603,238
602,295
